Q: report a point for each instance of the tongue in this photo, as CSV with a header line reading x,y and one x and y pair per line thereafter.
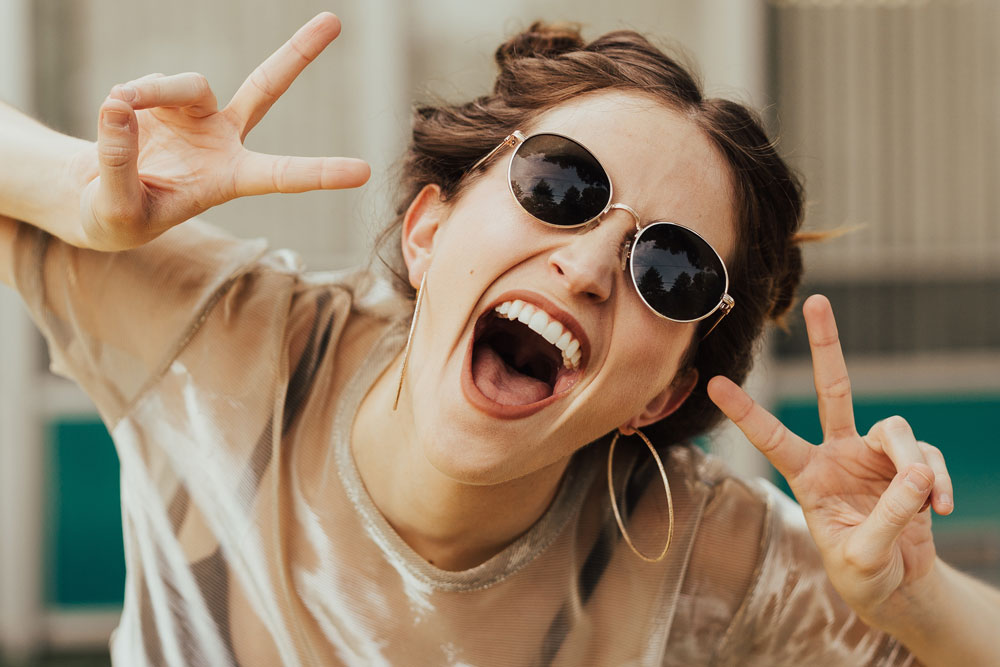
x,y
503,384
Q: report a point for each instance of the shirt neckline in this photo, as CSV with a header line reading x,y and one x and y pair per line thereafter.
x,y
572,489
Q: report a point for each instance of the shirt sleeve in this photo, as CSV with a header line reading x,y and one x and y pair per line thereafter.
x,y
791,614
113,321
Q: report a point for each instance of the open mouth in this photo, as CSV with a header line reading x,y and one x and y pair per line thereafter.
x,y
522,356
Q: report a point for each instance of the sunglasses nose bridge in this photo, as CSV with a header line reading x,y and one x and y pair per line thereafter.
x,y
628,209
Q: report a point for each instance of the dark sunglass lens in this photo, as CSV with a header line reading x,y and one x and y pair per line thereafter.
x,y
558,181
677,272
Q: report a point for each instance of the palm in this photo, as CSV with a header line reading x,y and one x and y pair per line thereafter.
x,y
180,154
186,157
839,490
861,495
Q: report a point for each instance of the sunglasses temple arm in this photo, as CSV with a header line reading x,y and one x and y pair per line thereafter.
x,y
724,308
512,140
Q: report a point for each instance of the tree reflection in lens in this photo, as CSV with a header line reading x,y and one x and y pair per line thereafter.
x,y
677,273
558,181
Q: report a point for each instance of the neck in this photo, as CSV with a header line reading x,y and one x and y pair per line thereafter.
x,y
452,525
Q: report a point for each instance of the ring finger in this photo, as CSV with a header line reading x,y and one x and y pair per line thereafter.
x,y
942,497
894,438
188,90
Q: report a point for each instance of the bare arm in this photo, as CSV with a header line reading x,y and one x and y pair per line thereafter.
x,y
8,229
41,176
952,619
863,497
165,152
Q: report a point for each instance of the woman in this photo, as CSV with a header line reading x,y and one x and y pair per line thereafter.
x,y
298,488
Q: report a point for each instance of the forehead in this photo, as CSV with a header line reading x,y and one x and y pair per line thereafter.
x,y
660,162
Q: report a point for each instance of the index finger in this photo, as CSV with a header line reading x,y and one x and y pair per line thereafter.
x,y
833,386
271,78
786,451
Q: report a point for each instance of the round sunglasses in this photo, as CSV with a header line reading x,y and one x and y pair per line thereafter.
x,y
560,183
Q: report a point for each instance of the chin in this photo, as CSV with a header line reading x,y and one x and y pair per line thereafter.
x,y
477,461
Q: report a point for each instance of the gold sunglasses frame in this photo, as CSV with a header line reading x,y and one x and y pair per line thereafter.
x,y
516,139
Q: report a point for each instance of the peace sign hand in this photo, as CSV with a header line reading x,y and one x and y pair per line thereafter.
x,y
166,152
862,496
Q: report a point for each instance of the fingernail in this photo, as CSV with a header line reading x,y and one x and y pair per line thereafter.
x,y
128,93
116,119
946,500
918,480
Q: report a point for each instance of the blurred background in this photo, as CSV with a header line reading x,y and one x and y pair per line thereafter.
x,y
890,109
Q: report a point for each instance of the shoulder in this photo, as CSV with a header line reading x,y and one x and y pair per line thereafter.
x,y
731,529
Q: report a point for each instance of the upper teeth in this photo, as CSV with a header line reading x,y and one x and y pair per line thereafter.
x,y
546,327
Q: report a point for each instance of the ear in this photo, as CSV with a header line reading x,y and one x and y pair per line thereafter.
x,y
420,225
663,404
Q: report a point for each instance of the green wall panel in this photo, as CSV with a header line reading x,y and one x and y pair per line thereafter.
x,y
964,428
86,561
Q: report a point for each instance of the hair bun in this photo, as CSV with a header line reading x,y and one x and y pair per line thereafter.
x,y
541,40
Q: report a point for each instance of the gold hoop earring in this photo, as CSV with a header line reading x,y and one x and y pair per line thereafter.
x,y
409,339
666,487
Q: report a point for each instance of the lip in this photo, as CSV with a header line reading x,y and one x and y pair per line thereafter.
x,y
494,409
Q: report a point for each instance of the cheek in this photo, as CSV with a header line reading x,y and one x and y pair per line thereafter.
x,y
649,355
487,231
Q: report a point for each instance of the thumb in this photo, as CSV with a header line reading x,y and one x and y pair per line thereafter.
x,y
896,508
118,200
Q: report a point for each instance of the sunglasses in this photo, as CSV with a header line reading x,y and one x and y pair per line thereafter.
x,y
560,183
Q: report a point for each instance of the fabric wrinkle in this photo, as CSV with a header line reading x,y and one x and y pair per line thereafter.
x,y
249,536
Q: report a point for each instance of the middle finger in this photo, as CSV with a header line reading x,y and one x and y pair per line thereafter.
x,y
272,77
833,386
893,437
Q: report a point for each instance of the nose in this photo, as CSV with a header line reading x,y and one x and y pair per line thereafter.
x,y
588,263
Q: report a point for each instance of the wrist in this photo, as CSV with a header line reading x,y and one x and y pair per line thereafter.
x,y
43,178
947,618
913,615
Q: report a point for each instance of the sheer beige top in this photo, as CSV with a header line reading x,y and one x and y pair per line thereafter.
x,y
229,378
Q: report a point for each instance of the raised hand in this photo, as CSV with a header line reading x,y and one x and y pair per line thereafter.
x,y
166,152
863,496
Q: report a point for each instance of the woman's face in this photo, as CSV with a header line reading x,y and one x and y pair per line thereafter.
x,y
479,420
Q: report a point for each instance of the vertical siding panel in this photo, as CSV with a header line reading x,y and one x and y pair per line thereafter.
x,y
895,106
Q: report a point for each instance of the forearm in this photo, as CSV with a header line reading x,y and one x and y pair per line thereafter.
x,y
953,620
42,174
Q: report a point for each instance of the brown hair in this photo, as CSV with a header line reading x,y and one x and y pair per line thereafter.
x,y
547,65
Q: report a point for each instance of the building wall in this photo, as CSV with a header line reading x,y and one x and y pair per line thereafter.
x,y
61,58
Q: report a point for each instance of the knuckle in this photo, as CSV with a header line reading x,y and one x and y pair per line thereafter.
x,y
746,409
114,155
839,388
939,470
858,557
298,45
117,92
896,424
118,215
262,82
200,83
826,341
280,174
894,512
931,451
774,438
